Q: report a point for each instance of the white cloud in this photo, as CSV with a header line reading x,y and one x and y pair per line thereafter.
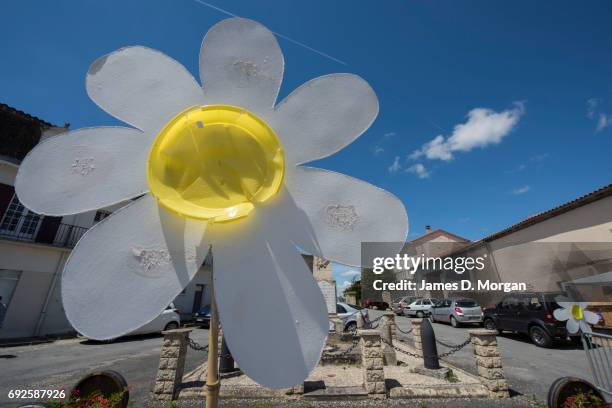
x,y
521,190
592,105
603,122
340,287
350,272
378,150
389,134
483,127
396,166
419,170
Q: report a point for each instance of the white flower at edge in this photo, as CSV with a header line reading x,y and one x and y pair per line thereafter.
x,y
577,317
127,268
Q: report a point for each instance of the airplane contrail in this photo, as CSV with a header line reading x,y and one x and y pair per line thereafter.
x,y
291,40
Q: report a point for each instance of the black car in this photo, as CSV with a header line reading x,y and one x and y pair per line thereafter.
x,y
202,317
529,313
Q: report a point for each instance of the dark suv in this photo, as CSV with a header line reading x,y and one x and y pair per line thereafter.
x,y
529,313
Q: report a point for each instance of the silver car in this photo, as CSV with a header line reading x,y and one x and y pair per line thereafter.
x,y
348,314
420,307
457,312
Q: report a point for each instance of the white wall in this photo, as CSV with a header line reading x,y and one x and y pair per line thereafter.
x,y
544,266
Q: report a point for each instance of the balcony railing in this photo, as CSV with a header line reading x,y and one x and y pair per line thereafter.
x,y
66,235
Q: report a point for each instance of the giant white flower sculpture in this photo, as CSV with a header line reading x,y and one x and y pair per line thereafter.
x,y
214,165
576,315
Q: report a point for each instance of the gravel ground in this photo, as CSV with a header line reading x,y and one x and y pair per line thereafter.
x,y
516,402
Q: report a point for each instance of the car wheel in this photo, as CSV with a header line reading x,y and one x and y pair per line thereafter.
x,y
540,337
351,327
419,314
454,322
171,326
489,324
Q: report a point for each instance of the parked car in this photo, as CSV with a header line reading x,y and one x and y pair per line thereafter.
x,y
202,317
348,314
457,311
528,313
168,319
399,304
420,307
375,304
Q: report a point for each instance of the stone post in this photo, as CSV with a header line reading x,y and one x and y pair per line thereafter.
x,y
416,335
488,362
390,316
171,364
372,363
387,328
360,322
338,324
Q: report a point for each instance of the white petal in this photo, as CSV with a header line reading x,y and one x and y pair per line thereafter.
x,y
84,170
241,64
324,115
272,312
561,314
590,317
142,87
129,267
344,212
571,326
585,327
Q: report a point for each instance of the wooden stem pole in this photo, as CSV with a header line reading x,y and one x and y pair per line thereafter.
x,y
212,378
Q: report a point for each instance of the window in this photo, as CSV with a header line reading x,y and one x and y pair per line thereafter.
x,y
340,309
466,303
100,215
510,303
533,303
18,221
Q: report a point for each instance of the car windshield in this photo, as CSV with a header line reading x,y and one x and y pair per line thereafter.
x,y
466,303
204,310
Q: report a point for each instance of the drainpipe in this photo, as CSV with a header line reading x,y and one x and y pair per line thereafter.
x,y
43,312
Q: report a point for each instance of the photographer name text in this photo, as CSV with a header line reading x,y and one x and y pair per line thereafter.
x,y
464,285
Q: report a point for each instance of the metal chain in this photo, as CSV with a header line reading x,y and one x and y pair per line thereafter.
x,y
452,345
455,349
355,342
196,346
402,331
374,321
448,353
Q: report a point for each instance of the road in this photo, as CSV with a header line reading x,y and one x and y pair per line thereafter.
x,y
62,363
530,370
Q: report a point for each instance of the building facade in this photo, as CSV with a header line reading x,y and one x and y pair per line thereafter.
x,y
34,248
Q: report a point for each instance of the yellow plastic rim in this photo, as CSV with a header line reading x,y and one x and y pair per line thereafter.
x,y
577,312
215,162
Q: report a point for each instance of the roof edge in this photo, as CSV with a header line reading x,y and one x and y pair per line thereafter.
x,y
545,215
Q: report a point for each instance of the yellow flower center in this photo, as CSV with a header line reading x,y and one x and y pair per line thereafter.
x,y
577,312
215,162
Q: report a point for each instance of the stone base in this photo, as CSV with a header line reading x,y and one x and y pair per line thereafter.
x,y
441,373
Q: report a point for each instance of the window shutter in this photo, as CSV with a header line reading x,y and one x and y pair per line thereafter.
x,y
48,229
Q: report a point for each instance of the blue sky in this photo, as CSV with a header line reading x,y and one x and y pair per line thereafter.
x,y
489,111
